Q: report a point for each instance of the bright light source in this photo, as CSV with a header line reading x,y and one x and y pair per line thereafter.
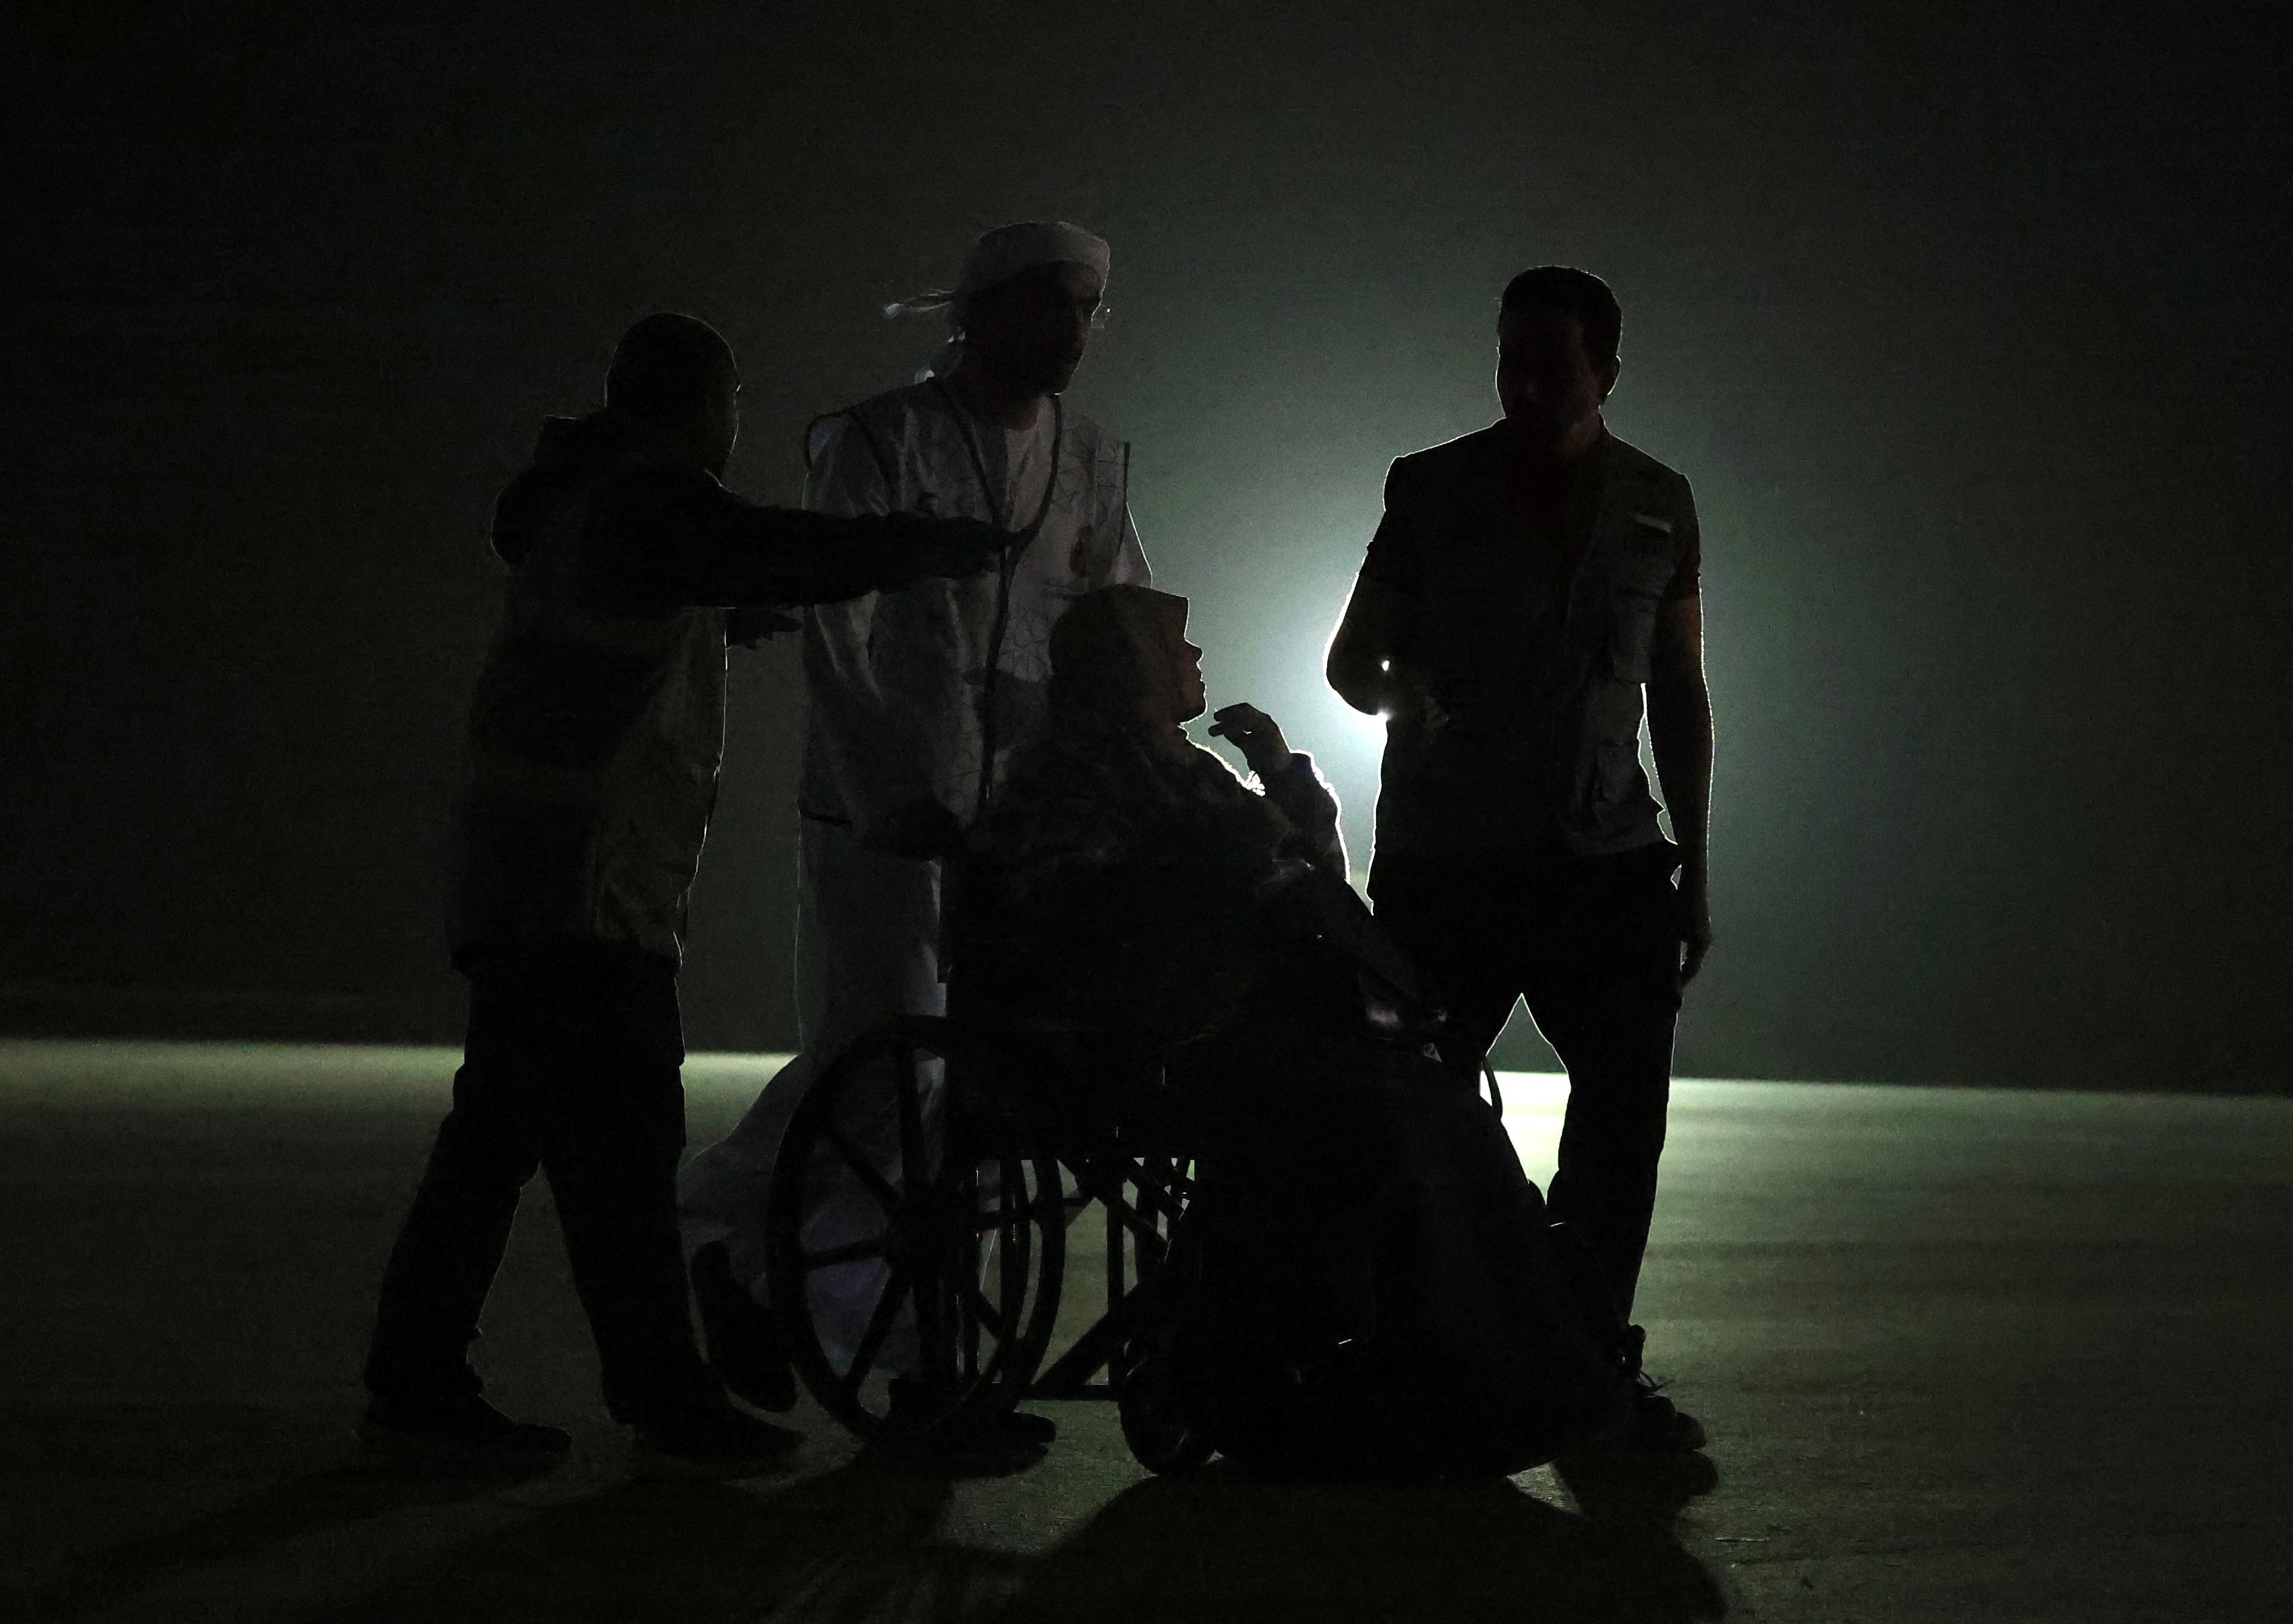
x,y
1370,728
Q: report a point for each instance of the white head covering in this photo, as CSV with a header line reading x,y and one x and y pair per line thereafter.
x,y
1008,250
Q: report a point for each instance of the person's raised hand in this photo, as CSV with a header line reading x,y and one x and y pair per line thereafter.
x,y
1257,735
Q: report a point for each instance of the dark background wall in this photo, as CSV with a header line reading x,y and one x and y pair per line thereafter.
x,y
1970,330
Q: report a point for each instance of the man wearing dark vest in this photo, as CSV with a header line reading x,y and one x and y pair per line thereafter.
x,y
1531,589
595,741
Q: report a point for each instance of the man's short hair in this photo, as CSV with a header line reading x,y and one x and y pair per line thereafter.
x,y
664,367
1576,292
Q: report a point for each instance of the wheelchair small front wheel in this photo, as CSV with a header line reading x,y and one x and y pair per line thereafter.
x,y
1157,1431
915,1264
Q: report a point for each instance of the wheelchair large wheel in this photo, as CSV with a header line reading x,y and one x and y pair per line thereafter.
x,y
915,1243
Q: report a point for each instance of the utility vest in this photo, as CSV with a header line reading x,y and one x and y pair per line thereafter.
x,y
899,685
1541,681
594,747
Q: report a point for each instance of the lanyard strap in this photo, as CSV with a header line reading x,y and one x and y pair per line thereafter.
x,y
987,488
1006,566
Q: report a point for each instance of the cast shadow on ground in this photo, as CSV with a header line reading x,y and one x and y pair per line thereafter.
x,y
850,1544
106,1444
864,1543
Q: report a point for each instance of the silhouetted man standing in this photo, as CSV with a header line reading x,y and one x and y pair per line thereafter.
x,y
595,741
918,697
1528,584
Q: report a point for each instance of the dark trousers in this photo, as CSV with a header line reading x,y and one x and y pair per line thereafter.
x,y
1592,944
572,1065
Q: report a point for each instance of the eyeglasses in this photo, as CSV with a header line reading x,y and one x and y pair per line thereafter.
x,y
1054,302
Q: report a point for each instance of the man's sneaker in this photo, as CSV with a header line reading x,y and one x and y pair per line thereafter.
x,y
1036,1431
1007,1430
1657,1425
709,1440
1652,1423
461,1433
746,1347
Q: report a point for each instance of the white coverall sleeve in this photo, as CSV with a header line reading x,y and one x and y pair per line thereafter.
x,y
853,720
1131,568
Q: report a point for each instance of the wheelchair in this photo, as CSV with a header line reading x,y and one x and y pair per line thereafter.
x,y
923,1203
930,1178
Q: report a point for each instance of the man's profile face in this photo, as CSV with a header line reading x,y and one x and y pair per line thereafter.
x,y
1033,328
1546,382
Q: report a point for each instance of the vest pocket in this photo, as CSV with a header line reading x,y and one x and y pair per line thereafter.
x,y
1631,633
1615,770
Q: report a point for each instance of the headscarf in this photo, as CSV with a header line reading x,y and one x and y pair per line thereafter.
x,y
998,256
1115,652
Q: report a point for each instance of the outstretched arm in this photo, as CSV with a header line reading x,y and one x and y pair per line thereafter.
x,y
675,535
1680,737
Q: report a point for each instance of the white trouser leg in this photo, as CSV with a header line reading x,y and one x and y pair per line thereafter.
x,y
868,940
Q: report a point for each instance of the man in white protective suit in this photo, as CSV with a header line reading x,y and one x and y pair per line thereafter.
x,y
916,696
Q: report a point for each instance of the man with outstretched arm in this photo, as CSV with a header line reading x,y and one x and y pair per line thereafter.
x,y
595,743
918,696
1529,587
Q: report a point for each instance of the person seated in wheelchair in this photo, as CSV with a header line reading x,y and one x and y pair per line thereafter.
x,y
1359,1214
1128,878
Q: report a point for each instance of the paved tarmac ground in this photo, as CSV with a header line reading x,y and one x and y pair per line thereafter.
x,y
1964,1355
